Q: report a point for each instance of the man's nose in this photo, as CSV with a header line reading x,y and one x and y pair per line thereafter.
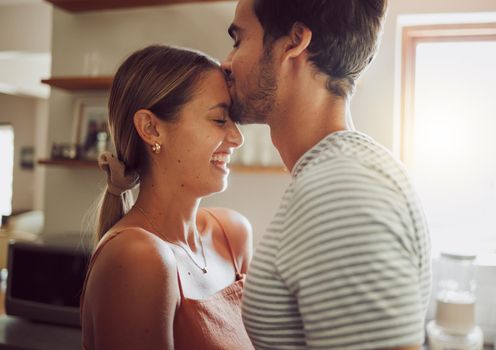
x,y
226,67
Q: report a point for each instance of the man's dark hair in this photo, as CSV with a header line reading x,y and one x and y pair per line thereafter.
x,y
344,34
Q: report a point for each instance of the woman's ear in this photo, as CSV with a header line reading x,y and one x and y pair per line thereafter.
x,y
298,40
146,124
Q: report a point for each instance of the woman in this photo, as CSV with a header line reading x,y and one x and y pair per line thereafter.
x,y
166,274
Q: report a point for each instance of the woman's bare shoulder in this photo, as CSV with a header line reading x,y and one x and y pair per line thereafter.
x,y
133,257
132,290
134,242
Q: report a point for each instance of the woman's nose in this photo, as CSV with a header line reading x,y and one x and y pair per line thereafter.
x,y
235,137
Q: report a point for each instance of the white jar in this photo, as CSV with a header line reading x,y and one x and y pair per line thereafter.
x,y
441,339
454,326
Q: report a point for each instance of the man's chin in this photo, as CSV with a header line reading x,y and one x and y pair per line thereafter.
x,y
241,115
250,121
246,119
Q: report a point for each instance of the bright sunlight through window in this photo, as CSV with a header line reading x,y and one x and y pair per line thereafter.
x,y
7,166
454,144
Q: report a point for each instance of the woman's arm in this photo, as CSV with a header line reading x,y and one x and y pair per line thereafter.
x,y
134,294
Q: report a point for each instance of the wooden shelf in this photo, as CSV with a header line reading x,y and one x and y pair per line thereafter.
x,y
258,169
77,163
69,163
80,83
96,5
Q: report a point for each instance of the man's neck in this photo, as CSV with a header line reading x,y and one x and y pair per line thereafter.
x,y
306,120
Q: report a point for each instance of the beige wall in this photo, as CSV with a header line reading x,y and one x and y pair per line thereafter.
x,y
25,27
113,34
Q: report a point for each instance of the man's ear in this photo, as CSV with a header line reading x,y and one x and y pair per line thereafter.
x,y
298,40
146,124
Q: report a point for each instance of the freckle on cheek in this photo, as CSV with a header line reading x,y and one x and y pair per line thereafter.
x,y
179,160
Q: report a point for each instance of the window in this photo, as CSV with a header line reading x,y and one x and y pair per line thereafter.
x,y
448,131
7,167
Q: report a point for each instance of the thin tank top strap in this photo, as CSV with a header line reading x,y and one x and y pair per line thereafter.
x,y
114,231
233,257
179,284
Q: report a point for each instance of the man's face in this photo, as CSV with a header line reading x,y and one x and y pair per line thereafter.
x,y
249,69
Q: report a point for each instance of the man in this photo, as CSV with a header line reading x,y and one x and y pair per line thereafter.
x,y
345,263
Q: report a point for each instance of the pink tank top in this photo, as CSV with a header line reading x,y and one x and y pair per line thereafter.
x,y
213,323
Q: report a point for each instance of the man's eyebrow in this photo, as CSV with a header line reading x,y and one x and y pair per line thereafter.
x,y
233,30
222,105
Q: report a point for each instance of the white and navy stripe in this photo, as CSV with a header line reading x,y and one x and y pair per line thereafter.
x,y
345,264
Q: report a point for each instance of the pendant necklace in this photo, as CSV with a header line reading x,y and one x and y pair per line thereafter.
x,y
204,269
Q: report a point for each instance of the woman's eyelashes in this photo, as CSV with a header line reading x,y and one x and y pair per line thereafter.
x,y
220,121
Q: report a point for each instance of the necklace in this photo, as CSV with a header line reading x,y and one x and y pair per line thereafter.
x,y
204,269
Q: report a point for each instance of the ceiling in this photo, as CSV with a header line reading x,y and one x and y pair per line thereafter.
x,y
19,2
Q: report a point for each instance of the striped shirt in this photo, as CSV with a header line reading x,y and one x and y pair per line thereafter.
x,y
345,263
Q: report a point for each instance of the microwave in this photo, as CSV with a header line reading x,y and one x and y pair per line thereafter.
x,y
46,277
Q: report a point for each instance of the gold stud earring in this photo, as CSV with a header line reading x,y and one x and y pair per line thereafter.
x,y
156,148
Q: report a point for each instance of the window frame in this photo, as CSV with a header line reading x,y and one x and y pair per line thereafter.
x,y
10,126
411,37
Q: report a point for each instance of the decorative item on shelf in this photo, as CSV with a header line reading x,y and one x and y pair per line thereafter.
x,y
91,127
27,157
80,83
91,64
257,149
65,151
454,325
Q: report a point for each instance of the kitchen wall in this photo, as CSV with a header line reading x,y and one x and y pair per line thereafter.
x,y
25,27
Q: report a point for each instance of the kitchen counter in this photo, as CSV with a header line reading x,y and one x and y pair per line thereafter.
x,y
486,347
20,334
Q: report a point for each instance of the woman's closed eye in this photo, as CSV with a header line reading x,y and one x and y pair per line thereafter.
x,y
220,121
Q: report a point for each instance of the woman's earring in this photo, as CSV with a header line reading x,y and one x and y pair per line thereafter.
x,y
156,148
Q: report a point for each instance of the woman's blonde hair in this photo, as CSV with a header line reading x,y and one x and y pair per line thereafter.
x,y
157,78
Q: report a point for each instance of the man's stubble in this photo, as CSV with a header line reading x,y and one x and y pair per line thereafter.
x,y
257,105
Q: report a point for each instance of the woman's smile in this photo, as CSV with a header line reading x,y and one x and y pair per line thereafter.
x,y
220,161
